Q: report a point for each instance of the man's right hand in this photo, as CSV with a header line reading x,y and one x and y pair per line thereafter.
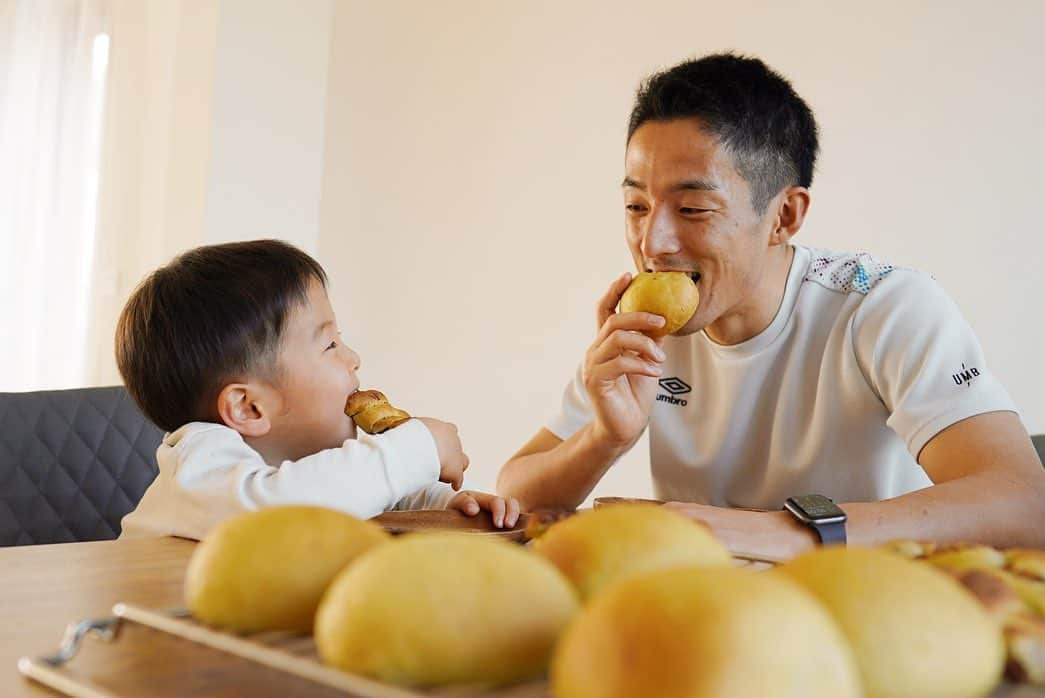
x,y
621,369
452,459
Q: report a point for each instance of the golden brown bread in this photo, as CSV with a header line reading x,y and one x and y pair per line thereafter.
x,y
1029,563
964,556
542,519
372,412
912,549
1025,642
1009,584
993,592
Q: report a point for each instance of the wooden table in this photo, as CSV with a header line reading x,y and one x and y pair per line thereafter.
x,y
45,587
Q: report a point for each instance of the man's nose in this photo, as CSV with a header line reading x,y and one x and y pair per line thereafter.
x,y
661,236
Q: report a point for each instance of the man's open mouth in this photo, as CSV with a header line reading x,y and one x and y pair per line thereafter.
x,y
694,275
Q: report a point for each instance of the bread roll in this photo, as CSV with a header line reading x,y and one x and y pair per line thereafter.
x,y
1025,642
372,412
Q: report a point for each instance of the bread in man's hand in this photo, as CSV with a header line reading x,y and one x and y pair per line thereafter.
x,y
372,412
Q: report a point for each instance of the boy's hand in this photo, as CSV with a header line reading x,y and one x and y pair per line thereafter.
x,y
503,510
452,460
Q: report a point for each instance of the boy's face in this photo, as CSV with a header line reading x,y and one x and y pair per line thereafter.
x,y
317,374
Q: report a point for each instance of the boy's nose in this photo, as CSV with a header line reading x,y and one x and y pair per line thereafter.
x,y
353,359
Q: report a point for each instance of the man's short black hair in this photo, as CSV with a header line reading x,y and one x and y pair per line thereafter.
x,y
213,315
752,110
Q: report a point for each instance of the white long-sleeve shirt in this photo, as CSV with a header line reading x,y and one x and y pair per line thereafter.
x,y
207,473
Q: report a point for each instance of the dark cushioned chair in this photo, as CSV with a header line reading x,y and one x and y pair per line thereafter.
x,y
1039,446
72,463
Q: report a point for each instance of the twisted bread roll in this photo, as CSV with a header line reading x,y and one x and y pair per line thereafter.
x,y
1025,640
372,412
1029,563
1009,584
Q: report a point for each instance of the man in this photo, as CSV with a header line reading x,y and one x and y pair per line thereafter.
x,y
802,372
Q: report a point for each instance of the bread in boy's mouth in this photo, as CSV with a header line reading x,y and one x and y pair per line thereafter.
x,y
372,412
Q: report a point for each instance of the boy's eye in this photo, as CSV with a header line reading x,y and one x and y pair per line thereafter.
x,y
332,345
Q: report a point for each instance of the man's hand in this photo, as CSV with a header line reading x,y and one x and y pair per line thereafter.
x,y
621,369
452,460
503,510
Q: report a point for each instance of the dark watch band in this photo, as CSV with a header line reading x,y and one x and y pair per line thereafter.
x,y
830,533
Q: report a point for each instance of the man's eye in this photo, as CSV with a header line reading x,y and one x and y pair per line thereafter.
x,y
635,208
689,211
332,345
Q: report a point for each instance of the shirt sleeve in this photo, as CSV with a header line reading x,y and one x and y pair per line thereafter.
x,y
434,496
363,477
575,412
923,360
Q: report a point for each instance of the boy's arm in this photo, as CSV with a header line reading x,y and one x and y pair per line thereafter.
x,y
434,496
363,477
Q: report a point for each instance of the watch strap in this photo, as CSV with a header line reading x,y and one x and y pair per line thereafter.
x,y
830,533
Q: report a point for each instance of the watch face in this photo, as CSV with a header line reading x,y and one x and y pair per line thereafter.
x,y
817,506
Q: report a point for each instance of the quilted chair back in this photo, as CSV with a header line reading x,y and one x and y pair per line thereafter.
x,y
72,463
1039,446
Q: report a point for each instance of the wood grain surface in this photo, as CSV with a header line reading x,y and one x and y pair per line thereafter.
x,y
450,520
46,587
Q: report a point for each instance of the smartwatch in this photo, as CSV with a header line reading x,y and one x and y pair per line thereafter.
x,y
820,514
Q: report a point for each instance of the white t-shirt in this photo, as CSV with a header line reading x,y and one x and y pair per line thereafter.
x,y
209,473
863,364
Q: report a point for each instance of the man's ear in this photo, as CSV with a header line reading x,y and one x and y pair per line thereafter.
x,y
791,213
245,408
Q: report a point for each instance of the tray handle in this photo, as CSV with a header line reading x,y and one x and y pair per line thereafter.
x,y
105,628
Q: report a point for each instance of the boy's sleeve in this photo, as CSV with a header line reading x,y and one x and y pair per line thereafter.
x,y
363,477
434,496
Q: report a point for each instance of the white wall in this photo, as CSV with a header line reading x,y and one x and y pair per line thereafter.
x,y
215,132
155,154
471,213
266,158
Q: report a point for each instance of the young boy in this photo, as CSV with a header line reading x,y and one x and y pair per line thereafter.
x,y
234,350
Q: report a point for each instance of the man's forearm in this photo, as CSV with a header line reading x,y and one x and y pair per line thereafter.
x,y
561,477
992,507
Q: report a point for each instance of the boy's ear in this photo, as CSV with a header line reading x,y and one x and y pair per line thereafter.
x,y
242,406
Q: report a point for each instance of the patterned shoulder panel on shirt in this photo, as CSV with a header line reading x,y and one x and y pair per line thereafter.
x,y
847,272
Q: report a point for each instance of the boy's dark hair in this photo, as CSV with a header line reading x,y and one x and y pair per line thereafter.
x,y
214,314
752,110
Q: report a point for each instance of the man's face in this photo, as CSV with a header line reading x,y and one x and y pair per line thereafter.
x,y
688,209
317,374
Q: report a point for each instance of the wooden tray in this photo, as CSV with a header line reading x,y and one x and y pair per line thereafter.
x,y
288,652
450,520
608,501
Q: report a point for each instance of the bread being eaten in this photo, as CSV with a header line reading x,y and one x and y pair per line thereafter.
x,y
372,412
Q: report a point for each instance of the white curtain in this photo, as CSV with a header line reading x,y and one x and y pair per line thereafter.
x,y
53,60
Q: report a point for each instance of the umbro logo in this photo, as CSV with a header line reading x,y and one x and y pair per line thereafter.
x,y
965,376
675,386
